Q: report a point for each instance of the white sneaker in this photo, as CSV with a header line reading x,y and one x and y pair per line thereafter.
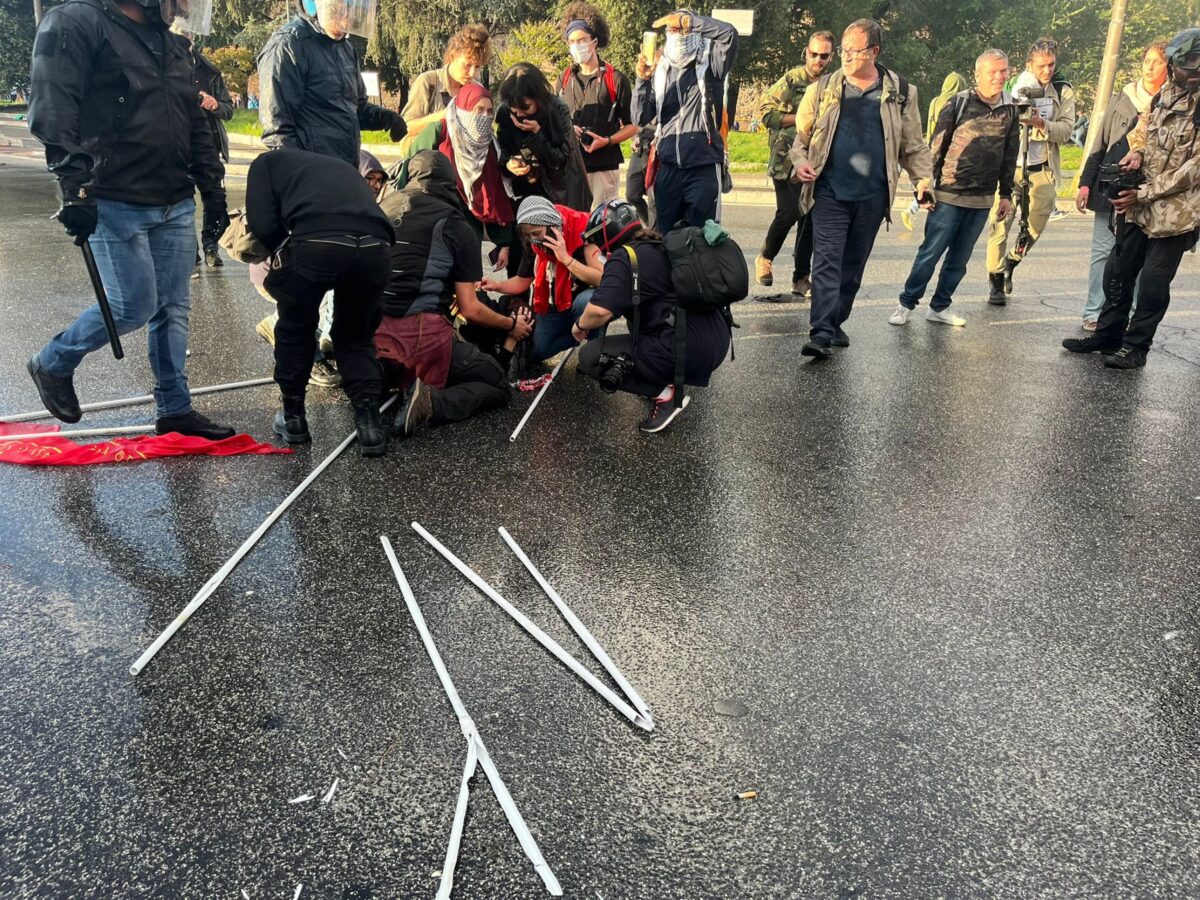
x,y
945,317
900,316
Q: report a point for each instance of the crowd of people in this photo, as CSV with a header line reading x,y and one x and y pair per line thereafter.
x,y
378,274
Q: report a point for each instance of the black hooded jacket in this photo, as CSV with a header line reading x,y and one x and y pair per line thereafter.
x,y
119,117
435,247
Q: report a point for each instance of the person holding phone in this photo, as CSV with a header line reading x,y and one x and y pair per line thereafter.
x,y
560,267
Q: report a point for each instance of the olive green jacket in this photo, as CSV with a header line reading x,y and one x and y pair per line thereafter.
x,y
783,99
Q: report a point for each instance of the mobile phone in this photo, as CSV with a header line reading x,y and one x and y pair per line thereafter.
x,y
587,137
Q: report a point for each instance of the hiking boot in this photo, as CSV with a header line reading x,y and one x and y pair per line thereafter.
x,y
266,330
415,412
945,317
212,259
996,289
193,424
1009,265
762,271
57,393
291,423
662,414
325,375
372,433
900,316
840,338
802,286
1091,344
817,348
1125,358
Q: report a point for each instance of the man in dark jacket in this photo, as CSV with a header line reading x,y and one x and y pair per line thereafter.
x,y
113,102
436,263
975,142
312,93
214,99
318,219
685,93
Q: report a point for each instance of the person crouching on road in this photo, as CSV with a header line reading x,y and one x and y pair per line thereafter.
x,y
975,145
318,218
561,267
436,263
849,166
643,361
1160,218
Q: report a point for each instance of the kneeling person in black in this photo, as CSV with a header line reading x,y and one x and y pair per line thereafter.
x,y
645,358
317,217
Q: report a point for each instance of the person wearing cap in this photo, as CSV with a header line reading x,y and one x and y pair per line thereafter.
x,y
468,53
646,355
685,93
1160,219
599,99
559,265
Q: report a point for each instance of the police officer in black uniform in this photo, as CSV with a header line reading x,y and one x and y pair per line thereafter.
x,y
113,101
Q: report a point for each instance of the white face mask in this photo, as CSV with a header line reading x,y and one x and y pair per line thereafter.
x,y
680,49
582,53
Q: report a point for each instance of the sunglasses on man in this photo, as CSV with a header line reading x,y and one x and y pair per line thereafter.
x,y
812,55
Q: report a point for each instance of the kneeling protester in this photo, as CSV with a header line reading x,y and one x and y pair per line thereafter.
x,y
436,263
643,284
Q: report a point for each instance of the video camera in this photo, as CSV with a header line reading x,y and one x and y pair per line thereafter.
x,y
1114,181
1024,98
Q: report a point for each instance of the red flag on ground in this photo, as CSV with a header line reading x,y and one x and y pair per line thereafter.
x,y
55,450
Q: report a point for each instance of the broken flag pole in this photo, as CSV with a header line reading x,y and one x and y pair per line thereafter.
x,y
477,755
538,399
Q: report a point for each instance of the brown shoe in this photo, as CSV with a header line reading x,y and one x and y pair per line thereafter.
x,y
762,271
802,287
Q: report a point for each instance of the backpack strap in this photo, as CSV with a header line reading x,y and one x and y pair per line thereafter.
x,y
636,323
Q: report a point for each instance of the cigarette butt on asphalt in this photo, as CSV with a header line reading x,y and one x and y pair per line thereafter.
x,y
748,795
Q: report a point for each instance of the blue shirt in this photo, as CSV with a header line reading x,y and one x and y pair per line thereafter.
x,y
855,169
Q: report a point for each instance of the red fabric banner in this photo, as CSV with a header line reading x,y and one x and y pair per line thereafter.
x,y
54,450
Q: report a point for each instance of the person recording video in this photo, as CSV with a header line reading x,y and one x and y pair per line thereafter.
x,y
643,361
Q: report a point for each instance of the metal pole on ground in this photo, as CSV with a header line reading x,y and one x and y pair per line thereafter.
x,y
135,401
538,399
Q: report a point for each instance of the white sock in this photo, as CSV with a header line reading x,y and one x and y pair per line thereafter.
x,y
668,393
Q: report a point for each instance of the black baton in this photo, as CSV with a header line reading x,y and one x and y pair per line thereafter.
x,y
102,301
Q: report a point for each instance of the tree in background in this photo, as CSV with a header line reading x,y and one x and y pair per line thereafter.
x,y
16,44
236,64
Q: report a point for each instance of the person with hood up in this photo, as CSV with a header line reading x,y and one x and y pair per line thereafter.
x,y
435,267
952,85
685,93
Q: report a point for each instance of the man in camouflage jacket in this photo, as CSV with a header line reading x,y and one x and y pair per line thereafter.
x,y
1160,218
778,113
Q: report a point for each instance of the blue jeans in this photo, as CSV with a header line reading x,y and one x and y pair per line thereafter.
x,y
552,330
145,255
952,230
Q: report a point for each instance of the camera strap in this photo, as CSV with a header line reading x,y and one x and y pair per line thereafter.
x,y
636,319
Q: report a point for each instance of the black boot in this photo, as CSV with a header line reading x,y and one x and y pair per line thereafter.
x,y
996,284
1009,265
1093,343
372,433
57,393
290,422
192,424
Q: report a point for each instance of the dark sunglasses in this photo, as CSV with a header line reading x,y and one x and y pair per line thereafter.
x,y
819,55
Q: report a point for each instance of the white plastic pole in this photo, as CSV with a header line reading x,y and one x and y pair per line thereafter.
x,y
537,634
581,630
134,401
221,574
476,753
538,399
71,434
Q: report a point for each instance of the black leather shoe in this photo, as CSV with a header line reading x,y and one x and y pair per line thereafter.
x,y
57,393
192,424
1009,265
816,348
996,289
293,429
1090,344
840,338
1125,358
372,433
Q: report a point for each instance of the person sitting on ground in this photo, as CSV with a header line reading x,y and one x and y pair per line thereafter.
x,y
317,217
465,137
467,55
537,141
560,266
435,267
645,358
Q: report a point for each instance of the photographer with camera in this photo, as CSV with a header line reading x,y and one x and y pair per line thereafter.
x,y
1157,196
560,266
1048,117
637,285
1119,119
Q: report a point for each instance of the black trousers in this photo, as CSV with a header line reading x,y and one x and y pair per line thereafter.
x,y
215,216
843,236
636,193
476,383
787,214
357,269
686,195
1157,261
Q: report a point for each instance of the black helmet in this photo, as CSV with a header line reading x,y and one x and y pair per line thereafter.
x,y
609,226
1183,45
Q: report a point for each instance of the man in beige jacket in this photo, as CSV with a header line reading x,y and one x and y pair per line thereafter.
x,y
855,129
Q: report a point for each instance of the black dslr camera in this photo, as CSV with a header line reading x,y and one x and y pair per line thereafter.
x,y
1024,98
614,370
1113,180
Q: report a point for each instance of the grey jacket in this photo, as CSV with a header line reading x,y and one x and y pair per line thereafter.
x,y
1119,119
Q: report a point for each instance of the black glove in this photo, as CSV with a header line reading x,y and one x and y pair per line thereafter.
x,y
79,217
398,128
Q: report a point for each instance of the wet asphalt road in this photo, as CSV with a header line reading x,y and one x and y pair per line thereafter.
x,y
951,575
